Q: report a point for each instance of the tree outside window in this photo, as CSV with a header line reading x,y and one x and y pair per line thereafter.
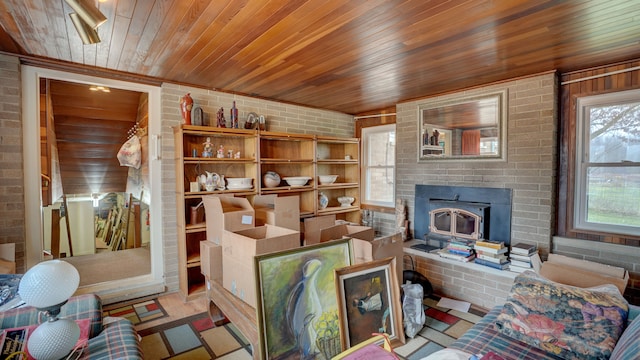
x,y
608,163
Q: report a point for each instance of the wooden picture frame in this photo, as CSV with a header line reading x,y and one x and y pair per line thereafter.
x,y
369,302
296,300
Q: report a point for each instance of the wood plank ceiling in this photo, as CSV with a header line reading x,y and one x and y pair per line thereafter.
x,y
89,135
351,56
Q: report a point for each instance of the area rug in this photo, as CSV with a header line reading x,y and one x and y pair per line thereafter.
x,y
198,337
195,338
137,312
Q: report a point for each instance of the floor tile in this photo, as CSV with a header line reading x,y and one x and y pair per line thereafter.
x,y
182,338
220,340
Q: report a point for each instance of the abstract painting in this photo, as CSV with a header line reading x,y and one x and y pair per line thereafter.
x,y
297,303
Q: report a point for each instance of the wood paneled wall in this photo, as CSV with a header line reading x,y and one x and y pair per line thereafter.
x,y
616,77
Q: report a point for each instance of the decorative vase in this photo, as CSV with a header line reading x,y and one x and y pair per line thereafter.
x,y
271,179
323,201
234,116
186,103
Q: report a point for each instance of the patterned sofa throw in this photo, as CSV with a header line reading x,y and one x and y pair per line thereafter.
x,y
568,321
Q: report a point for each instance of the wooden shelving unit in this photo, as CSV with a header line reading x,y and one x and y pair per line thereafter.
x,y
339,156
187,140
260,151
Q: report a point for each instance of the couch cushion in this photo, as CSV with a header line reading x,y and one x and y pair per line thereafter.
x,y
628,346
572,322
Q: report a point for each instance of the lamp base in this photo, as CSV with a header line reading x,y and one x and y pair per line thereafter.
x,y
53,340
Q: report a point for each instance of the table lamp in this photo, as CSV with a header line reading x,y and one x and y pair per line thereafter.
x,y
47,286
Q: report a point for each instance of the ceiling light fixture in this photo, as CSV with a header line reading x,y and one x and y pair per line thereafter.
x,y
88,12
87,34
99,88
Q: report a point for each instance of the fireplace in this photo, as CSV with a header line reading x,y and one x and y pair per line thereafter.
x,y
445,212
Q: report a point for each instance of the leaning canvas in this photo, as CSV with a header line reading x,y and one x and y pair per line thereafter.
x,y
297,304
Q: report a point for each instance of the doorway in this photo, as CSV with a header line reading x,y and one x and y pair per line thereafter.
x,y
129,283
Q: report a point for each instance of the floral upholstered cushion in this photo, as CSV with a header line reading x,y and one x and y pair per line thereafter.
x,y
568,321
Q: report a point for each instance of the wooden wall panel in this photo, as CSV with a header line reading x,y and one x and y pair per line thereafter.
x,y
615,77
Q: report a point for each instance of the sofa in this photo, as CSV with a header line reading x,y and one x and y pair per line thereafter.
x,y
108,338
542,319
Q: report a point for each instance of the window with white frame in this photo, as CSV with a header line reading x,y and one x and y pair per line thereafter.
x,y
607,178
378,165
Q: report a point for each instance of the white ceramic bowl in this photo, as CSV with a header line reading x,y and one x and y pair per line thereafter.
x,y
239,182
297,180
327,179
345,200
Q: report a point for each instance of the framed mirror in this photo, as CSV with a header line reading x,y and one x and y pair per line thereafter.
x,y
464,128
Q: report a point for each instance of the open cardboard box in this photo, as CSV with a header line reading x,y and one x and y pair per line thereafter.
x,y
239,249
226,213
380,248
581,273
312,227
282,211
211,260
344,230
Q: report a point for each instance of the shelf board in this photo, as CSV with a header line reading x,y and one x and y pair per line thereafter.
x,y
285,189
337,210
338,186
200,160
338,161
285,161
198,194
196,228
193,260
216,131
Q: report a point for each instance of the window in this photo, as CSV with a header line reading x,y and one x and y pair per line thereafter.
x,y
608,163
378,166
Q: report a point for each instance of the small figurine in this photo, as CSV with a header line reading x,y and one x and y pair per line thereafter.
x,y
222,123
229,154
208,148
220,154
236,155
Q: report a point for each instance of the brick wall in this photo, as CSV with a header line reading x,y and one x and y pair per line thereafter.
x,y
486,288
280,117
11,174
530,170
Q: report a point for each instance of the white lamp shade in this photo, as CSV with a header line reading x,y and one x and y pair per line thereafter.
x,y
53,340
49,283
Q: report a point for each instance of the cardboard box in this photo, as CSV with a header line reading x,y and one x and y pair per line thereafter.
x,y
384,247
8,258
282,211
239,249
312,227
341,231
583,273
226,213
211,260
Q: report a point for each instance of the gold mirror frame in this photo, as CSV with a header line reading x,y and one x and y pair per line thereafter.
x,y
463,127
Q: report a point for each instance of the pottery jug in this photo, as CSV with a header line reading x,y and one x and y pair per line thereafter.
x,y
220,185
323,201
211,181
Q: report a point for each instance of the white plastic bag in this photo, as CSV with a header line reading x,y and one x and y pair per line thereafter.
x,y
413,311
130,153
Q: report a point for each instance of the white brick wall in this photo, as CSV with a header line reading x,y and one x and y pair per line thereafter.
x,y
280,117
529,170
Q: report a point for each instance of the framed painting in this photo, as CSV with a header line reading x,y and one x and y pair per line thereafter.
x,y
297,303
369,302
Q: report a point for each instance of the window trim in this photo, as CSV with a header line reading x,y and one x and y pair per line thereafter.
x,y
365,132
581,167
